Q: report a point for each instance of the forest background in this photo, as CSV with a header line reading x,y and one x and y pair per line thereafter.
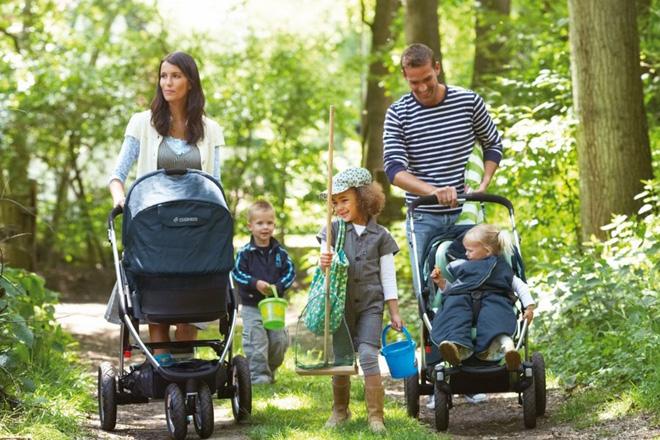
x,y
573,86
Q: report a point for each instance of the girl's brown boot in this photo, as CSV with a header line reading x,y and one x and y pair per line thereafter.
x,y
374,396
341,393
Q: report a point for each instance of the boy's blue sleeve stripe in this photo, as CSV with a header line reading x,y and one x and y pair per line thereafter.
x,y
290,275
240,276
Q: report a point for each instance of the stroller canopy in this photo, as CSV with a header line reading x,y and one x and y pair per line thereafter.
x,y
177,224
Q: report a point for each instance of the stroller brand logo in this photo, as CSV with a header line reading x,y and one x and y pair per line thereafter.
x,y
185,219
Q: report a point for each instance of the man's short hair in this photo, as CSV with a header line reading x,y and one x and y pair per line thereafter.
x,y
259,205
417,55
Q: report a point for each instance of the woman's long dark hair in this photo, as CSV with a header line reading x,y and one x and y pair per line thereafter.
x,y
160,110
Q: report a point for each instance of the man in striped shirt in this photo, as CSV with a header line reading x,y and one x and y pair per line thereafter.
x,y
429,136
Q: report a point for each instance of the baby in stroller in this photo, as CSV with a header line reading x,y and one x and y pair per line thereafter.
x,y
477,294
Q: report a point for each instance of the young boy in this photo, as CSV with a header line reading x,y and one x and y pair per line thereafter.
x,y
261,265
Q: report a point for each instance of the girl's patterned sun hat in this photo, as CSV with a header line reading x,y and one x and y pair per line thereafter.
x,y
349,178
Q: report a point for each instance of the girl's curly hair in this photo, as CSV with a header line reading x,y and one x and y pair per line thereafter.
x,y
371,198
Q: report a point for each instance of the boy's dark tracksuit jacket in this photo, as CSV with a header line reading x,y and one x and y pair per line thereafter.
x,y
271,264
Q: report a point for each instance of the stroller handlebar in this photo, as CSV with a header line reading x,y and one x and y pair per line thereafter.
x,y
114,213
472,197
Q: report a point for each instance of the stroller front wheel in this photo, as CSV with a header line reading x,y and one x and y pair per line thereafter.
x,y
411,393
441,409
529,406
203,415
175,412
539,383
107,396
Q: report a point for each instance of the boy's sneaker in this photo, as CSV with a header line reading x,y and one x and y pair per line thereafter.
x,y
449,353
259,380
476,398
512,360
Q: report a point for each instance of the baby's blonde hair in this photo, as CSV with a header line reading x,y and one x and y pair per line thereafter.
x,y
491,237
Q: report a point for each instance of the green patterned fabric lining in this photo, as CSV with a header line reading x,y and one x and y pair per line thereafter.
x,y
472,213
314,318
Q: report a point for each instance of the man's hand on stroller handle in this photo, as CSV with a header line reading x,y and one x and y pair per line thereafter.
x,y
447,196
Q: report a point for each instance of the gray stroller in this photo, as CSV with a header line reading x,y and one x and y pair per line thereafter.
x,y
436,377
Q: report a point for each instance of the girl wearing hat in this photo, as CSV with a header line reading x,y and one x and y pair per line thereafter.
x,y
370,250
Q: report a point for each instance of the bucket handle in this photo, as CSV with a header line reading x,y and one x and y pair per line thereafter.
x,y
387,327
273,290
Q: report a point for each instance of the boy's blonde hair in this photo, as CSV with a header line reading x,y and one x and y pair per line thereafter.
x,y
491,237
371,199
259,205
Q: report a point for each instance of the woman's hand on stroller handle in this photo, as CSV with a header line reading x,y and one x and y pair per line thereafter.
x,y
529,313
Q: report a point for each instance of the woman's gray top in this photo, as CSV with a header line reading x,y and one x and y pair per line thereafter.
x,y
130,150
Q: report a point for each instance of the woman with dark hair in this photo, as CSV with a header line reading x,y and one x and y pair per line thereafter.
x,y
174,133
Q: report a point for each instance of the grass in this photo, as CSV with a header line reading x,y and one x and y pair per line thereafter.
x,y
595,406
297,407
55,408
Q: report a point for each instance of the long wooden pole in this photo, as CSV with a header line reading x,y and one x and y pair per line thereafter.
x,y
328,242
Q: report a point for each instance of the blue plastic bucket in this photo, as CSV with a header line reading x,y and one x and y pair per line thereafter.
x,y
400,356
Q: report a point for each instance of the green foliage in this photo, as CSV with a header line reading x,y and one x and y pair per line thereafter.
x,y
276,122
76,70
41,390
605,305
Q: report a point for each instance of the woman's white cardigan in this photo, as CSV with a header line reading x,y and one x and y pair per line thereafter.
x,y
141,129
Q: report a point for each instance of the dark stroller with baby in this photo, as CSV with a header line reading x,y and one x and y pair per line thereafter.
x,y
177,235
435,376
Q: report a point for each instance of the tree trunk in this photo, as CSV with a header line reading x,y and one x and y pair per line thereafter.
x,y
613,142
490,55
18,207
376,101
46,254
422,26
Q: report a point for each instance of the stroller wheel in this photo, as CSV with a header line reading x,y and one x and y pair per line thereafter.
x,y
203,415
175,412
529,405
539,382
441,409
241,402
411,393
107,396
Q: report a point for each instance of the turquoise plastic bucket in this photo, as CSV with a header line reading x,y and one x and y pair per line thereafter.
x,y
400,356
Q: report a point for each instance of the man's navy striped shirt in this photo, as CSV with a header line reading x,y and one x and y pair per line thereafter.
x,y
434,143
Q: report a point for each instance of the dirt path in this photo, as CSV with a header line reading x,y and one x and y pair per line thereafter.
x,y
498,418
98,342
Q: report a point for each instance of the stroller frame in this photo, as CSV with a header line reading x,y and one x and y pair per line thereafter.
x,y
187,387
441,380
